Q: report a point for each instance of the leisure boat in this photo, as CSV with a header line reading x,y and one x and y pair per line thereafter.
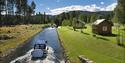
x,y
40,50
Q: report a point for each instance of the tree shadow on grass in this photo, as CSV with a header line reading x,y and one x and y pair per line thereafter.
x,y
70,28
76,30
123,29
110,35
122,45
85,33
102,38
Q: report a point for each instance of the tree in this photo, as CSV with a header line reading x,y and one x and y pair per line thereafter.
x,y
6,6
2,4
2,7
28,13
10,7
120,18
33,6
47,19
58,20
120,12
74,23
83,17
93,17
88,18
18,7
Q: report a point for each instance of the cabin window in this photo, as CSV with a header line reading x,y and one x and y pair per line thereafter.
x,y
104,28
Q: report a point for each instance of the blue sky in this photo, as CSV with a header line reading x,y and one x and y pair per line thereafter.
x,y
50,6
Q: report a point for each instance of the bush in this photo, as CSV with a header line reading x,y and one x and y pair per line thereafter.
x,y
46,25
5,37
9,31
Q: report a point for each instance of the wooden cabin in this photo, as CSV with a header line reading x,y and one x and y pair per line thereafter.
x,y
102,26
79,24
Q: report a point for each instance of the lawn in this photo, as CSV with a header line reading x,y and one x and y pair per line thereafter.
x,y
20,34
100,49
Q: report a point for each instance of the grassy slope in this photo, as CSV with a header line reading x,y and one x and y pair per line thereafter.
x,y
100,50
21,32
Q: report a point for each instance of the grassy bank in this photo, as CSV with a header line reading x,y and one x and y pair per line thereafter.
x,y
101,49
20,34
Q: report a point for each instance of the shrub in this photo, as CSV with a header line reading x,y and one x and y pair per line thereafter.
x,y
6,37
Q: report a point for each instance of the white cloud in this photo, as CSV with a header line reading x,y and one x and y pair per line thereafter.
x,y
101,3
91,8
111,7
48,8
3,13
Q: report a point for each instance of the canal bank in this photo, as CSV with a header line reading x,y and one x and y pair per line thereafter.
x,y
13,53
22,53
64,51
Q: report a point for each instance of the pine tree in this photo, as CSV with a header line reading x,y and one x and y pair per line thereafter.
x,y
120,19
120,12
2,4
83,17
10,7
33,6
93,17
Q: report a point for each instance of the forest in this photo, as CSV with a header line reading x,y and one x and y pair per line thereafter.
x,y
15,12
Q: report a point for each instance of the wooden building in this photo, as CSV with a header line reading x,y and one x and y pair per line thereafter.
x,y
102,26
78,24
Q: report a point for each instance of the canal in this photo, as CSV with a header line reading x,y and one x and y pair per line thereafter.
x,y
55,51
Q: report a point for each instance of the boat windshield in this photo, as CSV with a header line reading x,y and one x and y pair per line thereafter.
x,y
39,46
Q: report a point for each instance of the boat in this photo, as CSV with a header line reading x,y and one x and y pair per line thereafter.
x,y
40,50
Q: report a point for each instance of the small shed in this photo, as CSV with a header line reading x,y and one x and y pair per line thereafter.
x,y
102,26
79,24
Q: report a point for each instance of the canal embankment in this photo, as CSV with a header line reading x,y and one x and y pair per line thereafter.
x,y
11,48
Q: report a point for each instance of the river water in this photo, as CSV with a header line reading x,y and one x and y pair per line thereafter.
x,y
55,51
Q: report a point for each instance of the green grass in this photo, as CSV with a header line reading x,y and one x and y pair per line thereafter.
x,y
101,50
21,34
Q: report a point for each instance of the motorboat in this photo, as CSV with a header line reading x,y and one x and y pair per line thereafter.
x,y
40,50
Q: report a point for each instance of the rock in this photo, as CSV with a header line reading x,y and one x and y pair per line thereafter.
x,y
84,60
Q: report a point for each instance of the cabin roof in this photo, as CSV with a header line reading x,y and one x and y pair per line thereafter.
x,y
81,21
98,21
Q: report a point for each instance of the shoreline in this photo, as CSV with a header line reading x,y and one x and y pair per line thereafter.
x,y
64,51
11,53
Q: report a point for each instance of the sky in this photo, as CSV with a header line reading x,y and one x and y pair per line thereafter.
x,y
55,7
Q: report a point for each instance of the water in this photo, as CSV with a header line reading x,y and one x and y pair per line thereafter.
x,y
55,51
